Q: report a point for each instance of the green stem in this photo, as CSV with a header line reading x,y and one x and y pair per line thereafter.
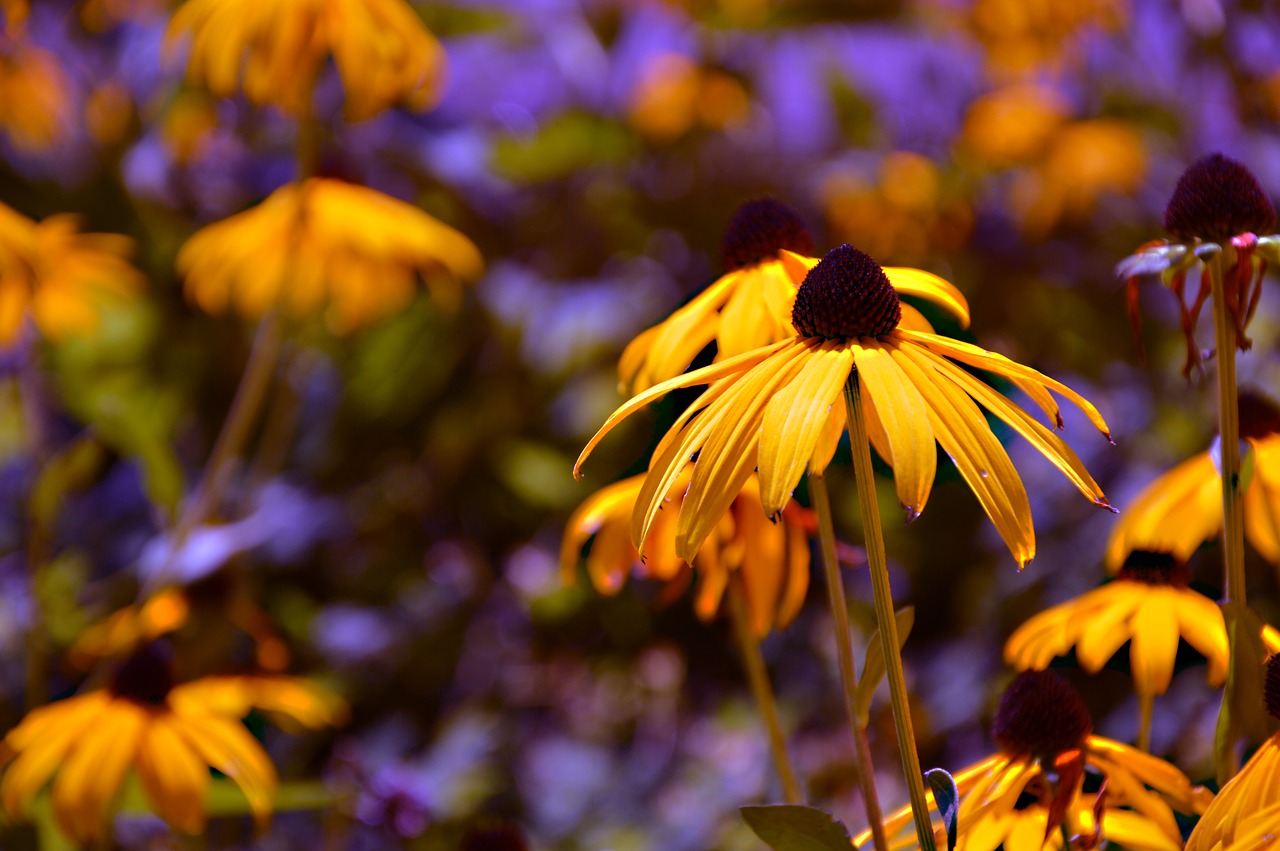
x,y
761,689
879,567
1146,706
844,655
1224,331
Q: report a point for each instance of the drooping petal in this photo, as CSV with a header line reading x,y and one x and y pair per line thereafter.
x,y
1155,642
172,776
90,777
1176,513
904,416
615,500
925,285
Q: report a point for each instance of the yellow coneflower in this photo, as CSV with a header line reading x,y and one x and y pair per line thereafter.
x,y
1217,207
1035,787
383,52
775,409
1246,813
171,735
1150,605
766,249
771,558
1182,509
324,244
59,276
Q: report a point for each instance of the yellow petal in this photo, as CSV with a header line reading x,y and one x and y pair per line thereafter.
x,y
905,419
925,285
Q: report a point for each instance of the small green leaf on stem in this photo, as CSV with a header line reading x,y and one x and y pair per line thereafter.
x,y
788,827
873,665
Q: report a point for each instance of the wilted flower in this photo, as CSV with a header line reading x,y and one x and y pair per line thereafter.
x,y
775,409
1035,786
383,52
326,245
171,735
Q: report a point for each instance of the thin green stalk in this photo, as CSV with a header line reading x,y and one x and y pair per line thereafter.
x,y
761,689
879,567
1146,706
1224,331
844,656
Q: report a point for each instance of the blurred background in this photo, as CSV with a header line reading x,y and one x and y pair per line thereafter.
x,y
595,150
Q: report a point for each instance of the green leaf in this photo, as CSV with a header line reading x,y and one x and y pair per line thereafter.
x,y
71,469
947,797
788,827
224,798
873,666
570,143
1243,716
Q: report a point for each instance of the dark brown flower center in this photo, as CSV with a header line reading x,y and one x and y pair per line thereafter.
x,y
1259,416
759,230
146,676
1040,715
1271,689
846,295
1216,199
1155,568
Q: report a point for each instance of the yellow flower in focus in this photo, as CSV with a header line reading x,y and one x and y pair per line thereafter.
x,y
1182,509
35,98
1034,788
59,276
765,249
1246,813
276,48
673,94
771,558
1150,605
1014,124
171,735
325,245
778,409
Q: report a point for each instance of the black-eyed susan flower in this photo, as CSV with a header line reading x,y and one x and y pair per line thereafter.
x,y
59,277
1217,208
766,249
1047,776
771,558
775,409
1182,509
1246,813
170,735
326,245
1148,604
275,49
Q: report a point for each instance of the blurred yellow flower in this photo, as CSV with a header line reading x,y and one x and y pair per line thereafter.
x,y
108,112
777,408
771,558
1012,125
383,52
1182,509
15,14
58,276
325,245
1026,795
673,94
1024,37
102,15
1149,605
35,98
187,126
1246,813
171,735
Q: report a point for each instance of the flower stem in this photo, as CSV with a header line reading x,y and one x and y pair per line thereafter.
x,y
761,690
1224,331
844,654
31,398
879,567
1146,705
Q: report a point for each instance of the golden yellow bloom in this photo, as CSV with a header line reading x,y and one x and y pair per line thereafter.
x,y
383,52
765,249
772,558
35,98
1036,785
778,409
1182,509
1246,813
1150,605
326,245
58,276
170,735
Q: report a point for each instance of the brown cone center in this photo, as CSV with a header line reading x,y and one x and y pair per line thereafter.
x,y
146,676
846,295
1259,416
1218,198
1155,568
1040,715
759,230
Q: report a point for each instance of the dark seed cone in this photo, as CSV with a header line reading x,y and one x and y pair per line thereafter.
x,y
494,837
1259,416
1155,568
1040,715
1271,690
1216,199
146,676
760,229
846,295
